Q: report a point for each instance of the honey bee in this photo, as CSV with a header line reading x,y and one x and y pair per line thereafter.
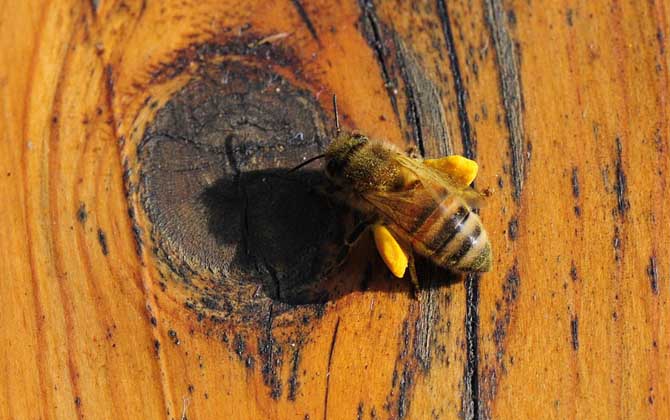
x,y
422,206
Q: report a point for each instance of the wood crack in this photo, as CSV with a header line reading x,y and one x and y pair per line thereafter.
x,y
469,144
330,360
471,404
413,115
510,85
373,33
305,18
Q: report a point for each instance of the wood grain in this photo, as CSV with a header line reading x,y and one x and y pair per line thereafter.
x,y
152,264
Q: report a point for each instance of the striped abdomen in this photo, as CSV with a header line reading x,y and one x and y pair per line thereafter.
x,y
452,236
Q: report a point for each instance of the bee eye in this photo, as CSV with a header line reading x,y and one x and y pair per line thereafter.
x,y
331,167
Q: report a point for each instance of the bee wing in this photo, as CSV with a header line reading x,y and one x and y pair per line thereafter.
x,y
406,209
437,183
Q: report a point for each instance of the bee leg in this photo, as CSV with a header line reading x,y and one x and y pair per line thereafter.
x,y
351,240
356,234
458,168
412,272
394,255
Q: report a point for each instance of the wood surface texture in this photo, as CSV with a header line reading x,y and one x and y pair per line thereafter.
x,y
158,262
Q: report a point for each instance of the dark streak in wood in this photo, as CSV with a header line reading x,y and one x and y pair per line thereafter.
x,y
135,227
330,361
414,353
469,143
406,335
425,111
616,244
510,83
576,191
109,84
513,228
573,271
271,358
137,236
427,318
305,18
293,382
102,239
143,8
511,18
403,391
82,214
652,273
239,346
574,329
471,404
510,295
502,321
621,185
412,114
575,182
373,33
569,16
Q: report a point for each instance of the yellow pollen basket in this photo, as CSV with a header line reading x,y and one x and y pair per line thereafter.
x,y
394,256
459,169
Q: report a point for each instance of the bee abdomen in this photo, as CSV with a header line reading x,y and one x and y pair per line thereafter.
x,y
455,239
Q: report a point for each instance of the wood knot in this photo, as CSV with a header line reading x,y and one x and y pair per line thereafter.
x,y
225,219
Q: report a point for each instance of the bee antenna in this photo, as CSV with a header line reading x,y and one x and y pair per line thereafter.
x,y
337,115
308,161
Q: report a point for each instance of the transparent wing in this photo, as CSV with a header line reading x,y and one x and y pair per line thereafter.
x,y
425,192
406,209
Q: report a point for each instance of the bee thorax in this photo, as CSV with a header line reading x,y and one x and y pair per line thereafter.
x,y
355,162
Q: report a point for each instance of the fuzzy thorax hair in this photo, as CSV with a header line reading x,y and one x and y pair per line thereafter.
x,y
353,161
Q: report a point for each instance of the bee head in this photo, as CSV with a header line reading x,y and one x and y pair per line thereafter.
x,y
340,151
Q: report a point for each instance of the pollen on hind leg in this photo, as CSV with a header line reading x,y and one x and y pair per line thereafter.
x,y
394,256
459,169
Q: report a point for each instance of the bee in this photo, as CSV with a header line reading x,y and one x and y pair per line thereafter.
x,y
414,206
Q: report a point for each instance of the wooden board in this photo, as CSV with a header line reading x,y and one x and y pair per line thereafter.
x,y
157,261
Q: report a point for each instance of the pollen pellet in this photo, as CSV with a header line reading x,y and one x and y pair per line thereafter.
x,y
392,253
